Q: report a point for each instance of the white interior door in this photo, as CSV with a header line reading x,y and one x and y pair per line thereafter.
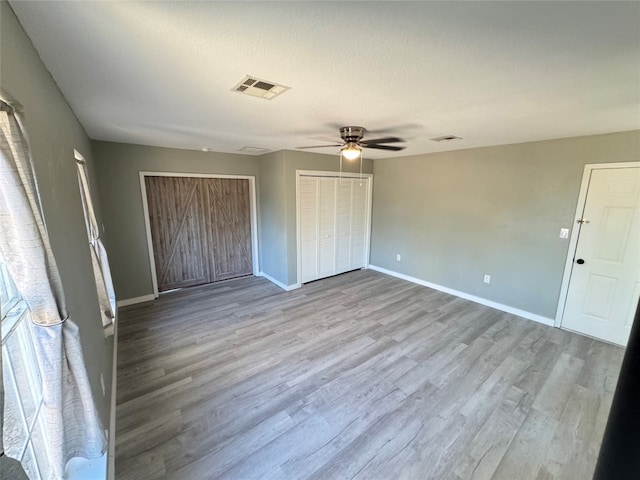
x,y
333,228
359,221
344,212
308,227
605,280
326,227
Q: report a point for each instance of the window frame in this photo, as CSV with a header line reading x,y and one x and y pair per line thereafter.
x,y
96,245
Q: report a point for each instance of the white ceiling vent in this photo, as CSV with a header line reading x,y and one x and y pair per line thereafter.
x,y
253,150
446,138
256,87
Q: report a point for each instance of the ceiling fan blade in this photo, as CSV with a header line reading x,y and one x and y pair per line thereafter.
x,y
384,147
394,128
320,146
382,140
325,139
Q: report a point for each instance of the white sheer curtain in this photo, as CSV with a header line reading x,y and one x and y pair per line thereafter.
x,y
72,424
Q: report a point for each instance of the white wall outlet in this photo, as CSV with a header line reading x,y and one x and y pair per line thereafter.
x,y
487,278
564,233
398,257
104,390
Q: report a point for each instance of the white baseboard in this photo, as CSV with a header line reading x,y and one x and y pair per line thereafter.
x,y
133,301
482,301
287,288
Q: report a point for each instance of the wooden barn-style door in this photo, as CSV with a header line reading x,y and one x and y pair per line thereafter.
x,y
200,229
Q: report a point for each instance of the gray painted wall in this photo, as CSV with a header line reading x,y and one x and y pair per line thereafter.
x,y
118,167
457,215
273,218
54,133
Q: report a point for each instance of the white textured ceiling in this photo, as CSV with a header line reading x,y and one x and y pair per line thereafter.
x,y
161,73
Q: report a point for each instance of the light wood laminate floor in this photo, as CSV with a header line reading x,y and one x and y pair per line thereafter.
x,y
359,376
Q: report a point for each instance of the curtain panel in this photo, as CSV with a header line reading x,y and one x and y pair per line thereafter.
x,y
73,427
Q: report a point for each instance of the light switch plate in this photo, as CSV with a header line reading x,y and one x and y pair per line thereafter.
x,y
564,233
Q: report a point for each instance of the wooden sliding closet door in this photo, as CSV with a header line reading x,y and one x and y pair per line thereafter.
x,y
200,229
230,226
178,231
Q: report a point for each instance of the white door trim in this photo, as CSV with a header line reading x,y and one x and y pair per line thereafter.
x,y
573,239
318,173
147,224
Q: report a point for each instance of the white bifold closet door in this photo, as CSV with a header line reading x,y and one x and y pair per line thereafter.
x,y
334,214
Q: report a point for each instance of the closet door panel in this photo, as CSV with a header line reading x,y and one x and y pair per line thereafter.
x,y
229,220
326,226
333,218
309,228
360,203
178,233
343,224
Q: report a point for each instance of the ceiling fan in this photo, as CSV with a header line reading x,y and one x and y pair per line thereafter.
x,y
353,143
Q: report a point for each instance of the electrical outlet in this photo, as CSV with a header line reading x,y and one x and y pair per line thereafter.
x,y
104,390
398,257
564,233
487,278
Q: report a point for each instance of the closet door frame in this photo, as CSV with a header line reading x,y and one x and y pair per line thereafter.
x,y
147,223
368,177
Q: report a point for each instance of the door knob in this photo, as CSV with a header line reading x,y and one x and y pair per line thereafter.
x,y
579,261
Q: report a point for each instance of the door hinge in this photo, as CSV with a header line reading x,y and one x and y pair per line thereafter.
x,y
582,221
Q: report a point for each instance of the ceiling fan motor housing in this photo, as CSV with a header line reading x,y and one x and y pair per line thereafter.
x,y
352,134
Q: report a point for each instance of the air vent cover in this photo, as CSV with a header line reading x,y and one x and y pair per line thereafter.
x,y
253,150
257,87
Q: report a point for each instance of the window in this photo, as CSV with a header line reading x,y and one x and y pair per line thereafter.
x,y
99,260
24,434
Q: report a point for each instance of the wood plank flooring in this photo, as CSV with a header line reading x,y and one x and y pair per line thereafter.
x,y
359,376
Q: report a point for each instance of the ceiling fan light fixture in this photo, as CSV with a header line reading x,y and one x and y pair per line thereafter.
x,y
351,151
